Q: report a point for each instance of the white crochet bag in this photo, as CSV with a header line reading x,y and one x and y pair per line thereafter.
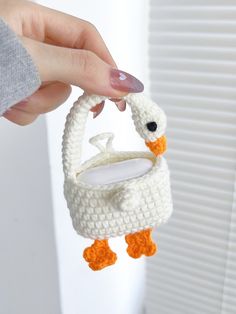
x,y
130,207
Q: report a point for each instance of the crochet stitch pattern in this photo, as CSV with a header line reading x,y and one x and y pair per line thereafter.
x,y
99,255
129,208
157,147
140,243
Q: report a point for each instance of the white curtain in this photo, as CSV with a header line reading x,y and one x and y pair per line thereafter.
x,y
192,50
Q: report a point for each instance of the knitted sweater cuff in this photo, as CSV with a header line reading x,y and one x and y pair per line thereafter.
x,y
19,77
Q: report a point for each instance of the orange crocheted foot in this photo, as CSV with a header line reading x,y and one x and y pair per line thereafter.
x,y
99,255
140,243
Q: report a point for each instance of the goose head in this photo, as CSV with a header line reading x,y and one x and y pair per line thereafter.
x,y
150,122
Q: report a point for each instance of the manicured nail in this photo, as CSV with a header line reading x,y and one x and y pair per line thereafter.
x,y
97,106
121,105
125,82
100,108
115,99
6,112
22,103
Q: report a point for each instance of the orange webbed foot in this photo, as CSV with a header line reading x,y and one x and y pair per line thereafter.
x,y
140,243
99,255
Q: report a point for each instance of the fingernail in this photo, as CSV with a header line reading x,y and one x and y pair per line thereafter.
x,y
97,106
22,102
121,105
6,112
115,99
125,82
101,106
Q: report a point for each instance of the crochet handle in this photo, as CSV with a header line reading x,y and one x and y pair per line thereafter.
x,y
74,132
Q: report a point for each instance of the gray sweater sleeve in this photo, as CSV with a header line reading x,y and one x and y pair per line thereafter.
x,y
19,77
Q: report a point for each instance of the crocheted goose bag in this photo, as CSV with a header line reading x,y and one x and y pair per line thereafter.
x,y
131,207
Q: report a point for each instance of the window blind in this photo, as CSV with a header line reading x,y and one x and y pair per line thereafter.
x,y
192,58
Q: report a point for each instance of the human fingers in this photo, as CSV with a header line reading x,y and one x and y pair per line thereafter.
x,y
19,117
45,99
78,33
43,24
121,105
81,68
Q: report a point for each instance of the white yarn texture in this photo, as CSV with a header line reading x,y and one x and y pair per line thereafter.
x,y
110,210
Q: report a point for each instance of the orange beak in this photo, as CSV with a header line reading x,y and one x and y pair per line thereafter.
x,y
158,147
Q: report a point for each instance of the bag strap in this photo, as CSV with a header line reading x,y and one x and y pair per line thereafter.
x,y
74,132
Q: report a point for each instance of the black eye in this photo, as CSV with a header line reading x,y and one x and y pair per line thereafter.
x,y
151,126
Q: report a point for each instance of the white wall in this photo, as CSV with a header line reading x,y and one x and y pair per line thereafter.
x,y
28,262
118,289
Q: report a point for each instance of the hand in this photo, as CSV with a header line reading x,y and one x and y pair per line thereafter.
x,y
66,51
